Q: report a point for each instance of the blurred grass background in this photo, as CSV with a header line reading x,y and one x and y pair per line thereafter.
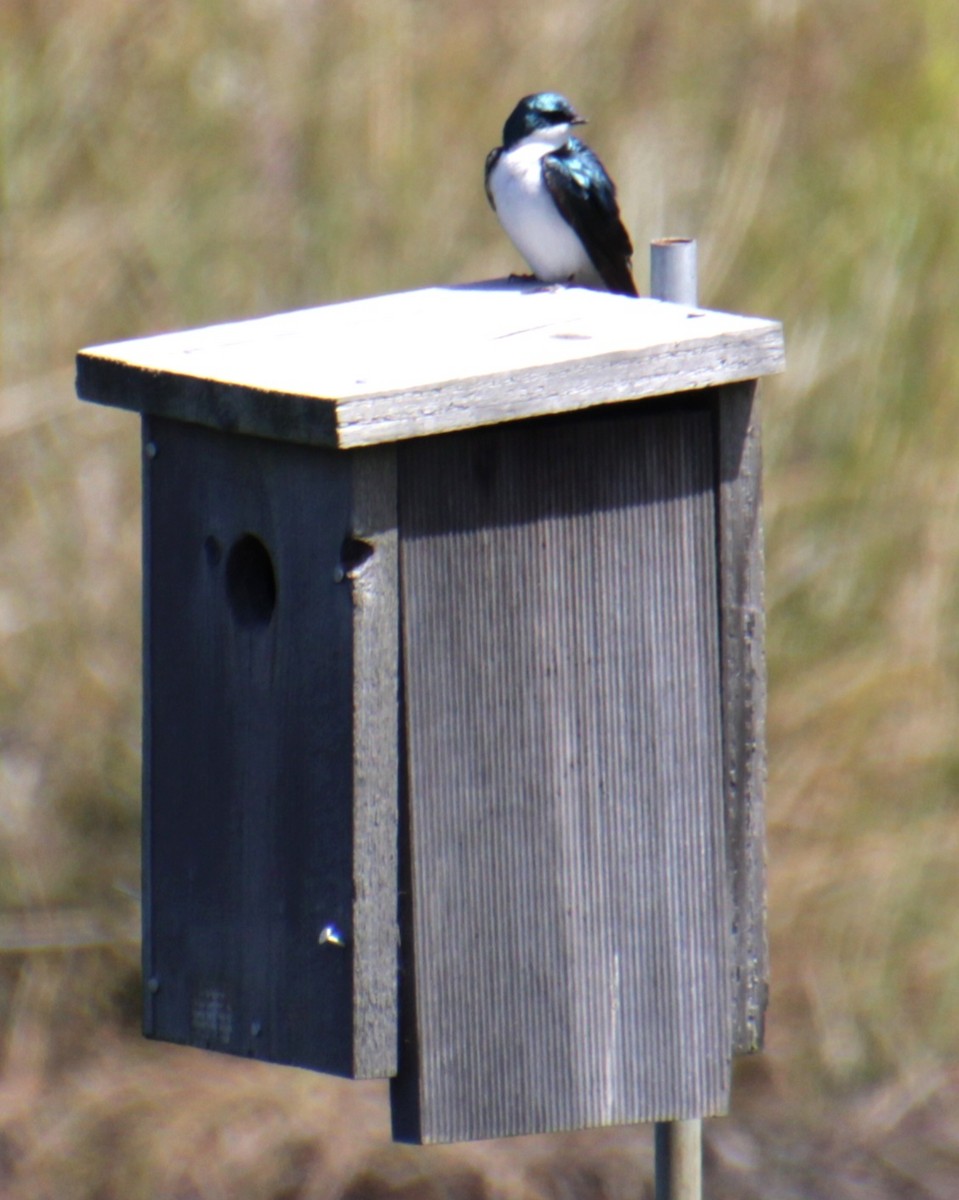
x,y
188,163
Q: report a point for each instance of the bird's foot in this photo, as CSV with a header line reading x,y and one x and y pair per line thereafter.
x,y
556,286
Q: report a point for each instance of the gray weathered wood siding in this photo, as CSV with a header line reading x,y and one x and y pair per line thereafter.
x,y
742,625
569,920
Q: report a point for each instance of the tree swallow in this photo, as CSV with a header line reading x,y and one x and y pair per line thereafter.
x,y
555,200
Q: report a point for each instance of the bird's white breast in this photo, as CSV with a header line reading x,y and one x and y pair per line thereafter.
x,y
529,215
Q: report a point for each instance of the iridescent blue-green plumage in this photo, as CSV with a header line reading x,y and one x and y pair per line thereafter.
x,y
586,196
540,158
539,111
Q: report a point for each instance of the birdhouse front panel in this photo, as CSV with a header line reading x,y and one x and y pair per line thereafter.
x,y
269,884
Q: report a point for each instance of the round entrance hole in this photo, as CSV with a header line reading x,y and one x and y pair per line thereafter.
x,y
250,582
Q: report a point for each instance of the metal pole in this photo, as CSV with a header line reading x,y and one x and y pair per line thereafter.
x,y
673,272
673,276
679,1160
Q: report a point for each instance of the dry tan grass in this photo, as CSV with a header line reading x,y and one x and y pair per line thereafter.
x,y
167,165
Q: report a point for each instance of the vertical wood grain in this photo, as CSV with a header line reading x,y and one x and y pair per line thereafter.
x,y
744,701
374,582
560,631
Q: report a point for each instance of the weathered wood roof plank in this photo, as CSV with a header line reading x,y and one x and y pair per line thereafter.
x,y
431,361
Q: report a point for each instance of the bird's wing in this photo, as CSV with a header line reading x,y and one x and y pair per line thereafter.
x,y
586,197
491,160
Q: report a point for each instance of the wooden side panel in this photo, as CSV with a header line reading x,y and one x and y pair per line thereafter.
x,y
569,932
744,702
371,564
252,940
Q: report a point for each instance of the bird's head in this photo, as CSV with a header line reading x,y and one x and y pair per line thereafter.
x,y
545,113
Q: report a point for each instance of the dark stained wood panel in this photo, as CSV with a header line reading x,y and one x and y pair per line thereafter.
x,y
269,771
569,924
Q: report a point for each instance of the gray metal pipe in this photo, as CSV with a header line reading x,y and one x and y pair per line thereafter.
x,y
673,273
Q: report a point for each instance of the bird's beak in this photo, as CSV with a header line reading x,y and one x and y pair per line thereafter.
x,y
579,121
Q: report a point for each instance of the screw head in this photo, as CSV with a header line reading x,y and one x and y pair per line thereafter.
x,y
330,935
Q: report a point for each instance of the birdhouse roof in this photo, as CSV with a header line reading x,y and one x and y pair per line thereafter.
x,y
431,361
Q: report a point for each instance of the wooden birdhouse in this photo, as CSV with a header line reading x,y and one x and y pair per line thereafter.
x,y
453,742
